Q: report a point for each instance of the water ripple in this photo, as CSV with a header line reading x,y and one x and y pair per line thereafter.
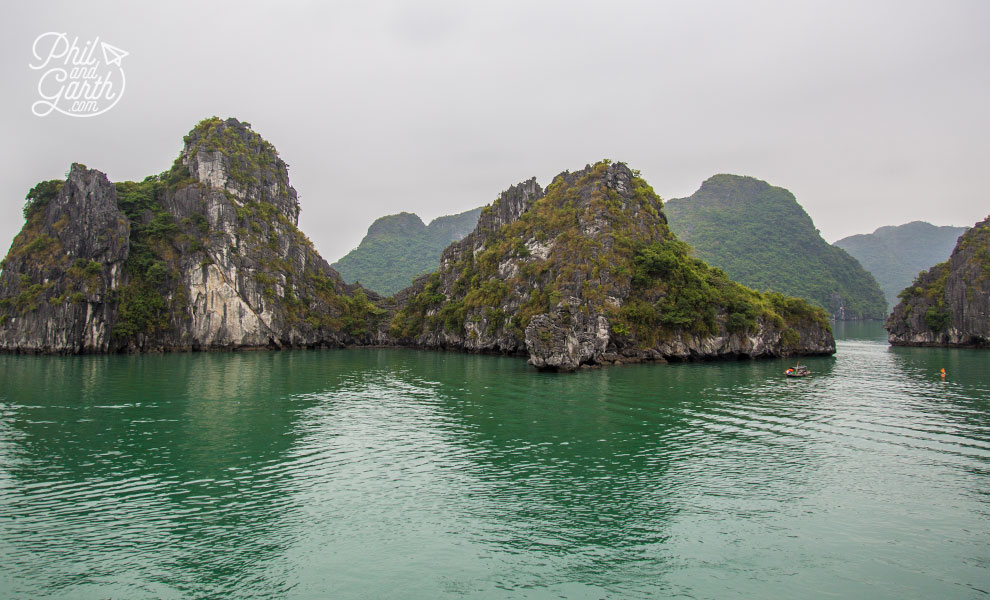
x,y
393,473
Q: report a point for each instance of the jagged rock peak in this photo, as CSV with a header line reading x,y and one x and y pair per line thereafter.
x,y
61,276
614,175
88,201
618,176
228,155
513,202
510,205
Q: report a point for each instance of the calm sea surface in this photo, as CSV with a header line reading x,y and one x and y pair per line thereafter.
x,y
405,474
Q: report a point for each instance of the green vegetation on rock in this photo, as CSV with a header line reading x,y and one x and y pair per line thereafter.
x,y
672,291
39,197
895,255
762,238
399,248
151,298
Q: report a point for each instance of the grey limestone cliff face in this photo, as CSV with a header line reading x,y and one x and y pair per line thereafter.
x,y
948,305
567,337
253,279
59,284
228,157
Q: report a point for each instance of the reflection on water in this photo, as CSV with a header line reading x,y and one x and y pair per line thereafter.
x,y
116,466
395,473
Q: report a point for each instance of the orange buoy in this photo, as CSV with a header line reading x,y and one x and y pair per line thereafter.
x,y
943,373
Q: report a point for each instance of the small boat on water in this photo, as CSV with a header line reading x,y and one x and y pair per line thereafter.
x,y
798,370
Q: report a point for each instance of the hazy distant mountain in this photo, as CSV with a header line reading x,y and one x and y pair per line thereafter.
x,y
896,254
399,247
761,237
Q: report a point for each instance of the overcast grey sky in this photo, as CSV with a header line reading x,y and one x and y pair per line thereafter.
x,y
872,113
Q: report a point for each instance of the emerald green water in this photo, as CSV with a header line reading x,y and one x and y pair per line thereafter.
x,y
403,474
